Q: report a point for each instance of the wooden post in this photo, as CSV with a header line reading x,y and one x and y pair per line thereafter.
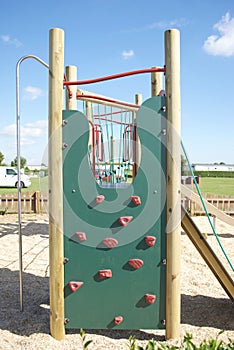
x,y
71,75
56,74
37,208
172,82
156,83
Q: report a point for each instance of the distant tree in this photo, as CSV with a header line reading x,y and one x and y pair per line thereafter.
x,y
222,163
1,158
23,162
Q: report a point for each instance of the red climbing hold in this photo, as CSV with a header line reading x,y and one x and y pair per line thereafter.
x,y
73,285
136,200
136,263
110,242
81,236
118,320
105,273
150,298
124,220
99,199
150,240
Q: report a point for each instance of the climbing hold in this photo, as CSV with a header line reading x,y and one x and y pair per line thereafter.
x,y
105,273
73,285
150,240
150,298
99,199
124,220
136,200
81,236
118,320
136,263
110,242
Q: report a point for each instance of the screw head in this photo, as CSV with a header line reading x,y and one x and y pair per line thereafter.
x,y
65,145
164,261
65,260
66,320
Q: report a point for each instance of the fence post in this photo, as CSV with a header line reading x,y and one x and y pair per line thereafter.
x,y
36,206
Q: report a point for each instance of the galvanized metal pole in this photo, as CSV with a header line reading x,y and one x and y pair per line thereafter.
x,y
18,166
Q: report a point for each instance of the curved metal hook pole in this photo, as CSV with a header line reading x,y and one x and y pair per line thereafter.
x,y
18,166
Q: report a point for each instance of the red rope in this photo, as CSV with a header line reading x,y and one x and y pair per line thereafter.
x,y
114,76
108,100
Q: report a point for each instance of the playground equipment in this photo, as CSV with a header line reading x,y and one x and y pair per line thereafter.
x,y
113,239
115,202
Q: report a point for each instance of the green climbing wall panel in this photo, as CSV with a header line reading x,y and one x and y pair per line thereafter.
x,y
98,301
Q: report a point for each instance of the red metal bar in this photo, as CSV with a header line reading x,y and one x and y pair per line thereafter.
x,y
115,76
68,87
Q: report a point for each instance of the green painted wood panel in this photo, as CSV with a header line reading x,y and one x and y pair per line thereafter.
x,y
97,301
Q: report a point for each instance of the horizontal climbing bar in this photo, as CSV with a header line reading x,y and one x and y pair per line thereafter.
x,y
107,100
115,76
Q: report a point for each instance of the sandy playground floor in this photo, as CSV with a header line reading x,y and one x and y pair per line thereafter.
x,y
206,309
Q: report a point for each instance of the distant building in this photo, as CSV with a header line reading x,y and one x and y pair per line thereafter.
x,y
213,167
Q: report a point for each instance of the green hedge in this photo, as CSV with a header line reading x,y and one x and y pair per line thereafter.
x,y
214,173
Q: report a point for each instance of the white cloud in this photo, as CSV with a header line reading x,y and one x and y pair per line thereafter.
x,y
223,43
127,54
29,132
8,40
32,93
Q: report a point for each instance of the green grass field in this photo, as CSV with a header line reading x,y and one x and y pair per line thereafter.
x,y
217,185
213,185
37,184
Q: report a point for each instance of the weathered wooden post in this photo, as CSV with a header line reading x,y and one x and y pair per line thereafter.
x,y
172,85
56,74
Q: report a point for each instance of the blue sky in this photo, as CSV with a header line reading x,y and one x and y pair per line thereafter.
x,y
104,37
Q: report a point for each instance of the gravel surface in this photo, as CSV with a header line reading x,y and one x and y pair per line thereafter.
x,y
206,309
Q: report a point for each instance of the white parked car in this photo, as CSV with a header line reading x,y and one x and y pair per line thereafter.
x,y
9,177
